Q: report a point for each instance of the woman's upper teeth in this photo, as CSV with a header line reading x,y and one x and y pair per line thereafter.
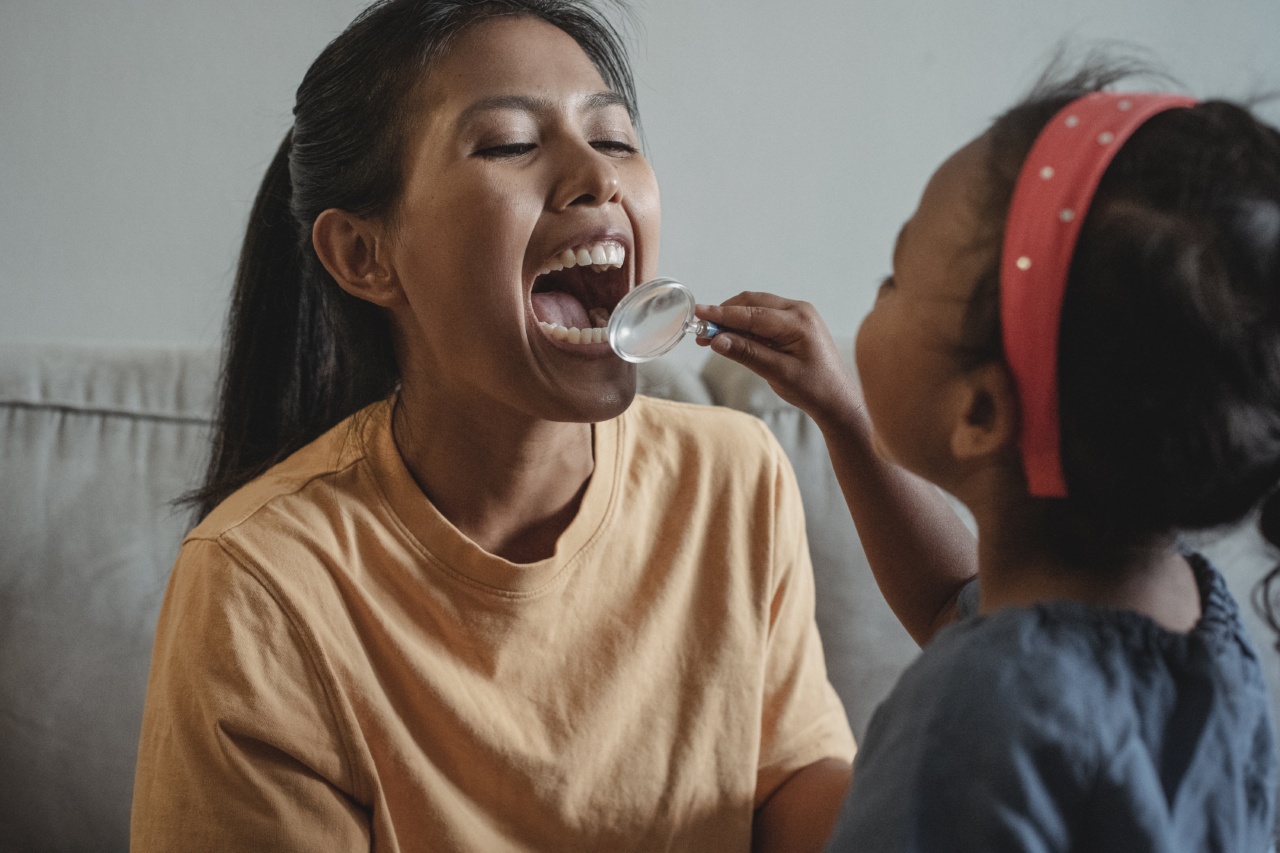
x,y
599,256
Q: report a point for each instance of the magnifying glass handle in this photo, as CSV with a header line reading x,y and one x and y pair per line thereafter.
x,y
702,329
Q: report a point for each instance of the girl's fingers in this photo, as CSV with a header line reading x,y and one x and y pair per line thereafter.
x,y
754,355
771,324
764,300
765,316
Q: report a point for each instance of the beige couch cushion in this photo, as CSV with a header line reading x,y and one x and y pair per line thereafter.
x,y
93,448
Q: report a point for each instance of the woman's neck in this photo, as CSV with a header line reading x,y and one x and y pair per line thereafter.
x,y
510,483
1017,566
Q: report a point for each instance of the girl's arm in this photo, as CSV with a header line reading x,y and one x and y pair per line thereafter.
x,y
919,550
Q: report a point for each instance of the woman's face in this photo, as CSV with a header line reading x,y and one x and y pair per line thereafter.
x,y
527,205
906,349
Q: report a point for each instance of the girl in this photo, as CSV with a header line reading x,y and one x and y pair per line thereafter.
x,y
453,589
1081,341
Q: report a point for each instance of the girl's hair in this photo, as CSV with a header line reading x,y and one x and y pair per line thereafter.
x,y
1169,358
300,353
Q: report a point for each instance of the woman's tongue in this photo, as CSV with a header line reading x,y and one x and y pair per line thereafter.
x,y
557,306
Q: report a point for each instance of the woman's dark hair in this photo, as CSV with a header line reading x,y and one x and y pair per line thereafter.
x,y
1169,359
300,353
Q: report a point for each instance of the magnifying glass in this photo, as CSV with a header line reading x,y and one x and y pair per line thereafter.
x,y
652,319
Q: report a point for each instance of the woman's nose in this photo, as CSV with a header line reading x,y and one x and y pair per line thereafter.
x,y
589,178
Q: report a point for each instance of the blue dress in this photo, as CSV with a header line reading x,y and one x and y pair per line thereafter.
x,y
1066,727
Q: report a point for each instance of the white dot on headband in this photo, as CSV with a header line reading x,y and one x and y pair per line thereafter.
x,y
1106,137
1066,214
1024,263
1046,173
1072,121
1124,105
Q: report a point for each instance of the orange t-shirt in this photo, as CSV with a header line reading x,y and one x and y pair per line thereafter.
x,y
337,668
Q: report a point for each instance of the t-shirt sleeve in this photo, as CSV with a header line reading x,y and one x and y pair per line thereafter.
x,y
803,719
240,749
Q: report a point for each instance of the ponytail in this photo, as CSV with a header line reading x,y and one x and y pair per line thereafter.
x,y
300,353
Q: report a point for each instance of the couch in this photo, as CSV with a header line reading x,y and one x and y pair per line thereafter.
x,y
96,442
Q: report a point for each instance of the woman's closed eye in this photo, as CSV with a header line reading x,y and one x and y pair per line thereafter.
x,y
616,147
506,151
512,150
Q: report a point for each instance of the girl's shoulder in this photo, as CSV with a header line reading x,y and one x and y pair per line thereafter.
x,y
1068,710
1069,671
1053,634
1020,671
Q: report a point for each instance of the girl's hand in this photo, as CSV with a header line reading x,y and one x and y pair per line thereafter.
x,y
788,345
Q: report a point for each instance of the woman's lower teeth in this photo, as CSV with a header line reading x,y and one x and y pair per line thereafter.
x,y
596,335
599,318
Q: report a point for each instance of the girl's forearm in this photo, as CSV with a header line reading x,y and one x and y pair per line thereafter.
x,y
919,550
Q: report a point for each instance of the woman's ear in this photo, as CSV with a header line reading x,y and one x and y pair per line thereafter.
x,y
353,250
987,422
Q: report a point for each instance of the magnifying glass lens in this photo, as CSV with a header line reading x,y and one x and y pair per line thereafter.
x,y
652,319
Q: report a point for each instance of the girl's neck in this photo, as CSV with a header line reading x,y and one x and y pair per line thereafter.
x,y
510,483
1016,566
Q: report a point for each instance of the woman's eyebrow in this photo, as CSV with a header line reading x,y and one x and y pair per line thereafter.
x,y
532,104
605,100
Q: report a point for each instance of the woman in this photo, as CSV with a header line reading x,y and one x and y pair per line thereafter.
x,y
455,586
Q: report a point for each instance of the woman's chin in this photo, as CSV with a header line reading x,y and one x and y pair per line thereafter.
x,y
596,398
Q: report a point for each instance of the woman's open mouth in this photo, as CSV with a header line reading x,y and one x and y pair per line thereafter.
x,y
575,295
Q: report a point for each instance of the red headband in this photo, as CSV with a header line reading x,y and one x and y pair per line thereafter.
x,y
1050,200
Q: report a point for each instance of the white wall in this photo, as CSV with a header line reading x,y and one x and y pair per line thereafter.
x,y
791,140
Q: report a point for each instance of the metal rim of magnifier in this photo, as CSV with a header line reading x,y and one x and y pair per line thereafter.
x,y
615,319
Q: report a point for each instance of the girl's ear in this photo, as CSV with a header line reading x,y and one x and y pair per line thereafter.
x,y
353,250
987,422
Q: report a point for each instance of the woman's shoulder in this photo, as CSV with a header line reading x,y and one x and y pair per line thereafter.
x,y
276,538
300,489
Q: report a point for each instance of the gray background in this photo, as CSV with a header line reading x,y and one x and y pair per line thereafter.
x,y
790,140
